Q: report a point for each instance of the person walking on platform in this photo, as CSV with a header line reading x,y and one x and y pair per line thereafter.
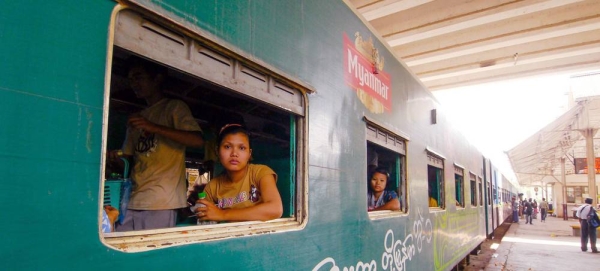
x,y
528,212
586,230
515,209
544,209
522,208
535,211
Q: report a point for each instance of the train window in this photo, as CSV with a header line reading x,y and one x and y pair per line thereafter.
x,y
387,149
219,87
495,188
473,189
480,190
489,193
435,181
459,186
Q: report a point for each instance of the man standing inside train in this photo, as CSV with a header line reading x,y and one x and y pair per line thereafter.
x,y
586,230
156,141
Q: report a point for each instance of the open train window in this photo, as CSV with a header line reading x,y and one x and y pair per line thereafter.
x,y
459,186
480,190
386,150
219,87
435,180
489,193
473,189
495,188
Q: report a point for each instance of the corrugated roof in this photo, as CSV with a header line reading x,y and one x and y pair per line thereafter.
x,y
539,155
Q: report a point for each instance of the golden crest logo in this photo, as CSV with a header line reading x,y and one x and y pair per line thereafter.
x,y
363,71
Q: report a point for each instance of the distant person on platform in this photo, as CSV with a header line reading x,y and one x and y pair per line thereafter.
x,y
586,230
522,207
528,212
535,209
155,143
544,209
515,210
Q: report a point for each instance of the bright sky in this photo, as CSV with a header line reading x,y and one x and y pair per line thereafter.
x,y
496,117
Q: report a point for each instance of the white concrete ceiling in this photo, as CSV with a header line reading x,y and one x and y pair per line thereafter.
x,y
451,43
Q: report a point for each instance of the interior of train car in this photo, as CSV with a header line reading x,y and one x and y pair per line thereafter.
x,y
213,107
271,108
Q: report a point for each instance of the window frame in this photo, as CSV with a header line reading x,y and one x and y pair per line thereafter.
x,y
394,142
459,179
494,188
489,192
273,81
473,188
436,161
480,190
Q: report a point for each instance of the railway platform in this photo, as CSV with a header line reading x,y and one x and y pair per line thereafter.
x,y
549,245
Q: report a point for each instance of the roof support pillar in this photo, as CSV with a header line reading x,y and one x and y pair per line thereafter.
x,y
563,180
591,163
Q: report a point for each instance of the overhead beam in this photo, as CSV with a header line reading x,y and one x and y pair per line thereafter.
x,y
489,58
579,64
510,62
469,20
431,13
387,7
532,24
526,36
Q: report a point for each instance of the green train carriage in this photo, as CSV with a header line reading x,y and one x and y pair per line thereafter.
x,y
318,91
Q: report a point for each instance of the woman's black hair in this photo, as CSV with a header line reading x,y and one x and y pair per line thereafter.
x,y
232,129
381,170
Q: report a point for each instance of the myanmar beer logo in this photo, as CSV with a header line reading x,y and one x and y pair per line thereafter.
x,y
363,71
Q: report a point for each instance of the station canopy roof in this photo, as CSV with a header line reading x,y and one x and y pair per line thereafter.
x,y
539,155
452,43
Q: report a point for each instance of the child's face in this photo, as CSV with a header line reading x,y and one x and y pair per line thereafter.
x,y
235,152
378,182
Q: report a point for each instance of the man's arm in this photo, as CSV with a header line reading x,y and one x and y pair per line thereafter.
x,y
187,138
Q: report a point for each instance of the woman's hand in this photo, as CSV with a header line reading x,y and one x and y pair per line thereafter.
x,y
209,212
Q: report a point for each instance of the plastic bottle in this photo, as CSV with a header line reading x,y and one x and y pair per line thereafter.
x,y
201,195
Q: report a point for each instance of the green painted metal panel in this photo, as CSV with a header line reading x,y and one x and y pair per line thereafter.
x,y
52,88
